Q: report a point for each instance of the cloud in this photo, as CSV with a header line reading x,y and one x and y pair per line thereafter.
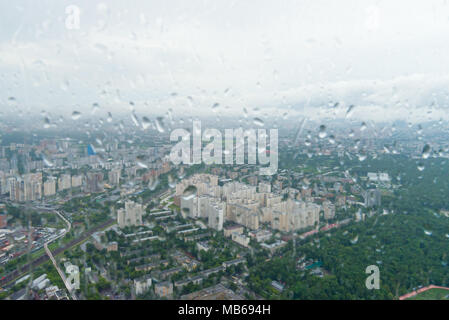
x,y
293,60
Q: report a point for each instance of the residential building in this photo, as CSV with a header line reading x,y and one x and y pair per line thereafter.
x,y
142,284
164,289
50,187
131,215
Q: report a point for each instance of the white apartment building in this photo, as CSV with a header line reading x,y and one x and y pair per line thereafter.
x,y
241,239
131,215
114,177
293,215
142,284
217,211
77,181
64,182
50,187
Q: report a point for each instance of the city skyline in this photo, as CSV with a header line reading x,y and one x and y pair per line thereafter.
x,y
224,150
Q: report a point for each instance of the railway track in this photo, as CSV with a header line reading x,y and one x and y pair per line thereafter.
x,y
44,258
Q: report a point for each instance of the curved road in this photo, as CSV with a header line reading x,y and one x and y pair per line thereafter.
x,y
50,255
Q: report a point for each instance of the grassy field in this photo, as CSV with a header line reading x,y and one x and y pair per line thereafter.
x,y
432,294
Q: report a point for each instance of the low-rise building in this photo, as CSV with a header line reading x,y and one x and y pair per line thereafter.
x,y
112,246
241,239
272,247
229,230
261,235
142,284
202,246
164,289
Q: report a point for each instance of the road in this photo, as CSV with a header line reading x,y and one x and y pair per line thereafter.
x,y
50,255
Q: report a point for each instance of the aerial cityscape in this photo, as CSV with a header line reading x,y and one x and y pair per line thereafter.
x,y
193,154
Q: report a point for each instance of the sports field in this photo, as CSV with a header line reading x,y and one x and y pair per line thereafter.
x,y
432,294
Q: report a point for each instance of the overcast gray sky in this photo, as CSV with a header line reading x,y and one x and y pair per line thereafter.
x,y
293,58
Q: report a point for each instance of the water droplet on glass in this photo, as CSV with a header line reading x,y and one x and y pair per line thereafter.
x,y
153,182
215,107
189,193
171,181
47,162
351,133
146,123
421,166
142,165
181,173
322,133
419,131
76,115
160,124
47,122
363,126
258,122
362,156
12,101
426,151
350,111
134,119
95,108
